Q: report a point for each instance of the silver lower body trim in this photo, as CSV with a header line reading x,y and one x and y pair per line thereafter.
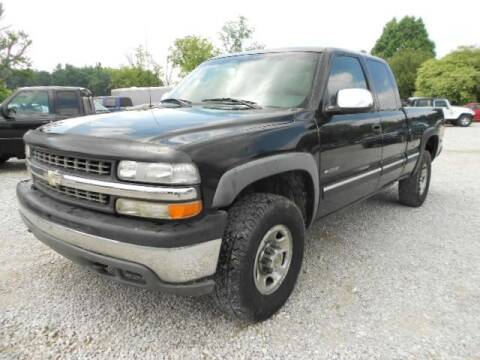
x,y
351,179
368,173
412,156
393,164
173,265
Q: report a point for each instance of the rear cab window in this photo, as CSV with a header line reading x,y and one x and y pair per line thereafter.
x,y
440,103
384,84
67,103
423,103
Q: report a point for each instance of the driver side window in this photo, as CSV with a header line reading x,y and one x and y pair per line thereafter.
x,y
346,73
29,102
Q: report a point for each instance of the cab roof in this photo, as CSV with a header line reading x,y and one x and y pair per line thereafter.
x,y
54,88
316,49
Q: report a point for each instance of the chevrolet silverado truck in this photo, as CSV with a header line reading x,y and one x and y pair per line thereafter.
x,y
30,107
455,115
211,191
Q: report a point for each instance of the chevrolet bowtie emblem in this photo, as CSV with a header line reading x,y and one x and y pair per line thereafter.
x,y
54,178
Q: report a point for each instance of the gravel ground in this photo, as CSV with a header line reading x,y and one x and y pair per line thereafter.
x,y
379,281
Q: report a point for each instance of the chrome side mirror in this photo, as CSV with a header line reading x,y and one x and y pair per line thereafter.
x,y
7,113
352,100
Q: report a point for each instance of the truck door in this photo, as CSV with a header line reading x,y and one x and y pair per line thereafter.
x,y
445,106
351,143
28,109
394,121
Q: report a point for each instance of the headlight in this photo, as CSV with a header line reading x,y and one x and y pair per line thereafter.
x,y
27,151
158,173
155,210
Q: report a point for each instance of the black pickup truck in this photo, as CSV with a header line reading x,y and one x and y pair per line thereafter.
x,y
212,190
30,107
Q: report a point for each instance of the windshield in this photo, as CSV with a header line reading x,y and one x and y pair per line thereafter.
x,y
270,80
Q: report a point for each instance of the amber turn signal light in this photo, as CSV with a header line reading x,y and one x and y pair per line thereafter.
x,y
184,210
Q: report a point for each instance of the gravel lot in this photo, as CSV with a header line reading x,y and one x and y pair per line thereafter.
x,y
380,281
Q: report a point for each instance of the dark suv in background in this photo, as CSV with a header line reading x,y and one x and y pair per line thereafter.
x,y
30,107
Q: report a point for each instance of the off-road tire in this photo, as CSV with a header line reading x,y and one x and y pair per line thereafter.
x,y
292,187
249,219
409,190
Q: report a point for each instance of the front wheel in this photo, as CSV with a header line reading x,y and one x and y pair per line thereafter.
x,y
261,256
413,190
464,121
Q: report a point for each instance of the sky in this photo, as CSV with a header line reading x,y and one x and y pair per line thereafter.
x,y
106,31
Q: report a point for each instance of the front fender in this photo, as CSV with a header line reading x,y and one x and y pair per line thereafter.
x,y
238,178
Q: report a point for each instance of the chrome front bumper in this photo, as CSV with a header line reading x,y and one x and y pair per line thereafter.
x,y
171,265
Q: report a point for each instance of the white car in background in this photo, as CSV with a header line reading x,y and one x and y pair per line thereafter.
x,y
456,115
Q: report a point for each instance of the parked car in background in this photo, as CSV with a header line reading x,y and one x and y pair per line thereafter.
x,y
99,108
455,115
114,103
475,107
143,95
30,107
211,192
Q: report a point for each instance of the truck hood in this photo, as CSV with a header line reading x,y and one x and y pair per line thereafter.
x,y
175,127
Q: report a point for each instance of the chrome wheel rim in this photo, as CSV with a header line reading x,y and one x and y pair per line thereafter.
x,y
422,181
464,120
273,259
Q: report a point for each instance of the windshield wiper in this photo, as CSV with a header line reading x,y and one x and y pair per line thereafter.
x,y
228,100
180,102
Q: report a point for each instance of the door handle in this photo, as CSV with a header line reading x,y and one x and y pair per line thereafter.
x,y
377,128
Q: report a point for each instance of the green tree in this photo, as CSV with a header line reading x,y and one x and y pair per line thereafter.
x,y
28,77
96,78
13,48
141,71
20,78
235,36
189,52
99,80
405,45
4,93
69,75
143,59
408,33
456,76
128,76
405,64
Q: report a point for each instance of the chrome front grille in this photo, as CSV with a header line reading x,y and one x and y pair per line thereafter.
x,y
81,165
75,193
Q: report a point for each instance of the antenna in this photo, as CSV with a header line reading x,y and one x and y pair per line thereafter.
x,y
147,52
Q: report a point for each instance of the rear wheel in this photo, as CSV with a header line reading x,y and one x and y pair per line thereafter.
x,y
464,121
261,256
413,190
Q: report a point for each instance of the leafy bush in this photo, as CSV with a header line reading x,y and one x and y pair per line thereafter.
x,y
456,76
4,93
